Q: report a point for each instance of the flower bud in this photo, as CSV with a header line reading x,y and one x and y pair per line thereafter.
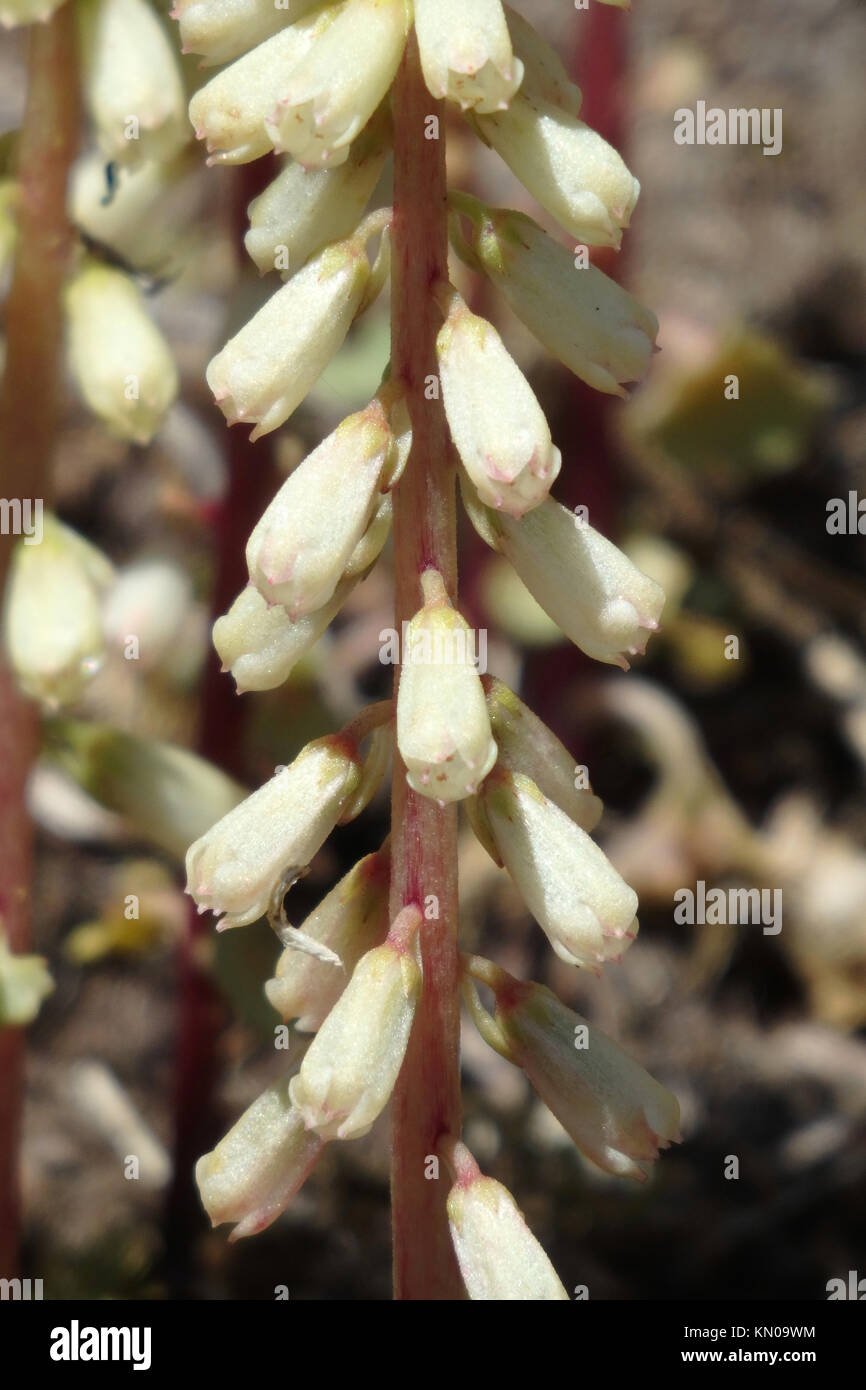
x,y
221,30
443,731
349,1071
151,602
15,12
132,81
350,921
497,425
140,219
266,369
120,361
587,585
571,171
611,1107
499,1258
299,550
255,1171
229,111
466,52
568,884
580,315
328,99
306,209
238,868
259,643
527,745
52,618
24,982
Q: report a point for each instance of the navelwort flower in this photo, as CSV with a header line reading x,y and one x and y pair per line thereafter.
x,y
612,1109
120,361
499,1257
350,921
328,99
237,868
220,30
581,316
133,87
466,52
443,731
566,881
52,621
497,425
591,589
349,1071
267,368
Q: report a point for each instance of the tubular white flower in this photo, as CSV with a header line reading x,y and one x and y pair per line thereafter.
x,y
443,730
300,548
238,866
140,219
587,585
256,1169
152,601
466,52
265,371
499,1258
328,99
350,921
568,884
259,643
527,745
306,209
581,316
572,172
545,77
349,1071
496,423
614,1111
52,617
229,111
120,361
221,30
132,81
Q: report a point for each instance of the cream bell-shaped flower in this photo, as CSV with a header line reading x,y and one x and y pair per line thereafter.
x,y
580,315
221,30
259,643
350,921
52,622
614,1111
570,887
132,82
139,221
328,99
298,552
304,210
466,53
527,745
349,1071
15,12
443,730
499,1258
256,1169
265,371
566,166
229,111
240,867
118,357
586,584
496,423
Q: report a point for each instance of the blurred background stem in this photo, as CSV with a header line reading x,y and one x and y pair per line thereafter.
x,y
424,835
28,417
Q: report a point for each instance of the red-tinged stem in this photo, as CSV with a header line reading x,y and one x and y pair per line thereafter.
x,y
28,413
424,836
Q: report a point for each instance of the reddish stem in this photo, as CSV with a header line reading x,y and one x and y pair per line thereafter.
x,y
424,836
28,413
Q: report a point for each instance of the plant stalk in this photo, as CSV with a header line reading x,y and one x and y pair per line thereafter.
x,y
426,1101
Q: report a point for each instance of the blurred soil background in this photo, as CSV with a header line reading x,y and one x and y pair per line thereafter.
x,y
741,771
